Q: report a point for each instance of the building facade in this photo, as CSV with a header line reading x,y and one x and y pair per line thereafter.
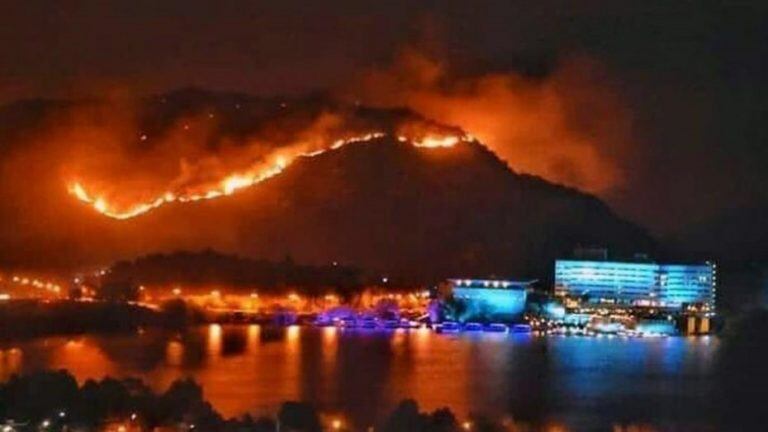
x,y
490,299
637,283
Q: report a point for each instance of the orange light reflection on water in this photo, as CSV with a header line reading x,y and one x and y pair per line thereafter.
x,y
83,358
10,362
254,332
254,368
429,355
174,353
214,342
329,367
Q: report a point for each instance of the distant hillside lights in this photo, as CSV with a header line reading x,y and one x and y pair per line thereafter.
x,y
20,287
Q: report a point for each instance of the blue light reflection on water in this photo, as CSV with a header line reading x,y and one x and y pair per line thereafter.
x,y
664,380
583,383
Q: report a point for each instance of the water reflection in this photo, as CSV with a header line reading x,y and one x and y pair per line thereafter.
x,y
584,383
10,362
254,332
214,342
174,353
327,374
82,357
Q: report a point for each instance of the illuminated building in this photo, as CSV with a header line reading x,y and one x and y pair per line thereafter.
x,y
498,300
644,284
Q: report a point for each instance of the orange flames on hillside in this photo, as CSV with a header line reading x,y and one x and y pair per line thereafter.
x,y
237,181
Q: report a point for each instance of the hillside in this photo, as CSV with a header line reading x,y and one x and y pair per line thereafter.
x,y
382,206
426,213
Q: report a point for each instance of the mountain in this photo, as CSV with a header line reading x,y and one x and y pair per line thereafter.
x,y
384,205
422,213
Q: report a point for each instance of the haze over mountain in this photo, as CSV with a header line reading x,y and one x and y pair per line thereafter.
x,y
381,205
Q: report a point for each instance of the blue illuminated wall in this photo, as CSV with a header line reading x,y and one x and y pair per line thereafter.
x,y
668,285
491,299
687,284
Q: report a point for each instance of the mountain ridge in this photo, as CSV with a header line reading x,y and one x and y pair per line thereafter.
x,y
383,205
389,206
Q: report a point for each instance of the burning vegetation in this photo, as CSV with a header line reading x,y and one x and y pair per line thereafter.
x,y
125,158
235,181
568,127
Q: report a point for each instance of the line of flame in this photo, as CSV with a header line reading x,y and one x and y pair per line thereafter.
x,y
242,180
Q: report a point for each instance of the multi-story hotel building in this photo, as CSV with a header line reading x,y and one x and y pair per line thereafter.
x,y
637,283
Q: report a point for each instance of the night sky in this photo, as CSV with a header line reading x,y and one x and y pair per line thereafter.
x,y
689,75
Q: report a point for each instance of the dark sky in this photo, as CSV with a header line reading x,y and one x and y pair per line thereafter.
x,y
691,73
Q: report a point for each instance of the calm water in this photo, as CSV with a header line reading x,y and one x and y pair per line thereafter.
x,y
581,383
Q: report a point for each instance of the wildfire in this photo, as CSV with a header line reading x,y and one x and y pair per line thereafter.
x,y
244,179
435,142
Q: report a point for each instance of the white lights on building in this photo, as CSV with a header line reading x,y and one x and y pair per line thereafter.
x,y
653,284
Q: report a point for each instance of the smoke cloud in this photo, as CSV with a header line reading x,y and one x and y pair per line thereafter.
x,y
125,152
569,127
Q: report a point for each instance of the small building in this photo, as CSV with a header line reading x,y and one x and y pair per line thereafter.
x,y
490,299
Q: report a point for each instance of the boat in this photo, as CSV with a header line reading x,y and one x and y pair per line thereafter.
x,y
449,327
521,328
407,324
367,323
473,326
390,324
323,322
496,327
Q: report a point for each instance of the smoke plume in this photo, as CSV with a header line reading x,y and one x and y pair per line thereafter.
x,y
568,127
128,156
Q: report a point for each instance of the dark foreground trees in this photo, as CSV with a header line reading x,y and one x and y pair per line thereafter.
x,y
53,401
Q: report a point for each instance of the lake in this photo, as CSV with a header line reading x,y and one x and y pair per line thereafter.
x,y
565,383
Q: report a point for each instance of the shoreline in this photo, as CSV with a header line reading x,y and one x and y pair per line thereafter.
x,y
30,319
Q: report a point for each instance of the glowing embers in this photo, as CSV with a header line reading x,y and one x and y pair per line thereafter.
x,y
432,141
226,186
100,204
237,181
